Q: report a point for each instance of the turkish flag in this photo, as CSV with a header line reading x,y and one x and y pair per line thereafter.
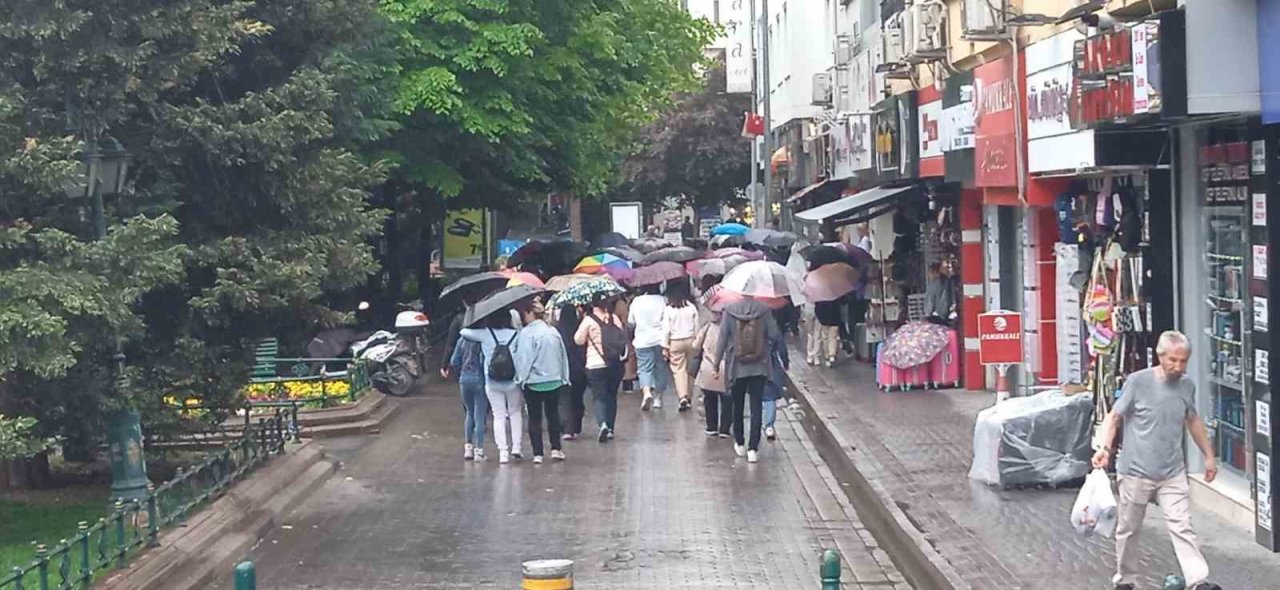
x,y
752,125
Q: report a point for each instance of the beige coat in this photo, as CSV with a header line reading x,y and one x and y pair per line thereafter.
x,y
709,377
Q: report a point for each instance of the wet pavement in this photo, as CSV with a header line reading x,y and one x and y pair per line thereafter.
x,y
918,446
662,506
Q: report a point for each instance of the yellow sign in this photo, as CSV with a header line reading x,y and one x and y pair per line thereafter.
x,y
465,239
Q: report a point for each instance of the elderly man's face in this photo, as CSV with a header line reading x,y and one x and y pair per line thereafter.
x,y
1174,362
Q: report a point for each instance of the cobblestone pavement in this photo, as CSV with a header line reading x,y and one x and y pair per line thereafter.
x,y
662,506
918,446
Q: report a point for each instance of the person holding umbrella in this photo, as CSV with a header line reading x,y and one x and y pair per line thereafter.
x,y
542,372
603,336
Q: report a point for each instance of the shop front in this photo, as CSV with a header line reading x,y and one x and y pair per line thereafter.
x,y
957,134
1264,232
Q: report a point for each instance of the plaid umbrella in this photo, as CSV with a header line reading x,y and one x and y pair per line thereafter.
x,y
915,343
656,273
586,292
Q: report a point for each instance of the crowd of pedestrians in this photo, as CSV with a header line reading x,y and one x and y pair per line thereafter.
x,y
532,369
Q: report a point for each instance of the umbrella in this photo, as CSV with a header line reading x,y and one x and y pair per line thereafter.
x,y
609,264
822,255
333,342
717,297
656,273
623,252
474,286
647,245
713,266
611,239
554,256
748,254
858,255
726,241
672,254
730,229
586,292
563,282
830,282
760,279
501,301
515,277
770,238
915,343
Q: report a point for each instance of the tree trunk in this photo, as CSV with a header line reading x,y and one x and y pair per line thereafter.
x,y
31,473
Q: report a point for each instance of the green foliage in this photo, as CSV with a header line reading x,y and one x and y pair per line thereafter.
x,y
694,150
17,440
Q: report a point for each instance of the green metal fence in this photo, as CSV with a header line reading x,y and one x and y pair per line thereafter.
x,y
97,548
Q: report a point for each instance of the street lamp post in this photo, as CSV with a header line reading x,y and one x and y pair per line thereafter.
x,y
106,165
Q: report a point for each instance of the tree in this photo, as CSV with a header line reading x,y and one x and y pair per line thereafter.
x,y
695,149
246,210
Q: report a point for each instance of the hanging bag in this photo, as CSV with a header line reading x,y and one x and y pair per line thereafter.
x,y
1098,302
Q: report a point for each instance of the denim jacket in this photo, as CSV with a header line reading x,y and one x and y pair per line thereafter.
x,y
540,355
468,362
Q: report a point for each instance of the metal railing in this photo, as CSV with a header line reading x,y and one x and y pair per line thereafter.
x,y
131,526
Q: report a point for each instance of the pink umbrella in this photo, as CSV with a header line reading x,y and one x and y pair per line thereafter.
x,y
748,254
760,279
712,266
656,273
517,277
830,282
717,297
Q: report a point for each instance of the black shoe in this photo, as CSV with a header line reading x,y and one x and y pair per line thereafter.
x,y
1124,586
685,405
604,434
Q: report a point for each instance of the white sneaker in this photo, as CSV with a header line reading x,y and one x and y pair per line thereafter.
x,y
740,450
752,456
537,459
468,451
781,404
770,433
657,403
647,402
558,455
504,457
479,455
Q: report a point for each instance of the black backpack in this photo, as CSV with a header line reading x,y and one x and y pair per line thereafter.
x,y
502,366
613,339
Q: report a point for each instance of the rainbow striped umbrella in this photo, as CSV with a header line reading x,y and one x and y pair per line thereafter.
x,y
603,263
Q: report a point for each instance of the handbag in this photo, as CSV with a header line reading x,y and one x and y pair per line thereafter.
x,y
1098,301
1127,317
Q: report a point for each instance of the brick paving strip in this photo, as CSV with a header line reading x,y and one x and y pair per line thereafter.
x,y
663,506
910,453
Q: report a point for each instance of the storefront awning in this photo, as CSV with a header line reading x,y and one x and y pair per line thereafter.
x,y
851,204
806,191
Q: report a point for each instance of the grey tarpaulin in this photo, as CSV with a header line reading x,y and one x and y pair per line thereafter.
x,y
1044,439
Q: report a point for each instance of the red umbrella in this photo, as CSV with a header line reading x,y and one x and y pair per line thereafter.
x,y
656,273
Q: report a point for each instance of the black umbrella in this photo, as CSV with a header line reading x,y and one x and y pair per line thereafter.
x,y
552,256
726,241
679,254
500,302
624,252
647,245
471,287
333,342
770,237
611,239
819,255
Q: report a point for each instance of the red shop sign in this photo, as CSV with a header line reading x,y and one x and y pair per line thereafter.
x,y
1104,78
994,119
1000,338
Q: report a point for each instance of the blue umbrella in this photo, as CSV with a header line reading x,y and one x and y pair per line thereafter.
x,y
729,229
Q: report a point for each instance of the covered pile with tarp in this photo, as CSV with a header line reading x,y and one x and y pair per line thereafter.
x,y
1040,440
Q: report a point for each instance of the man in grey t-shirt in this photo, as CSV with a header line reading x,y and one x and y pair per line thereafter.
x,y
1156,407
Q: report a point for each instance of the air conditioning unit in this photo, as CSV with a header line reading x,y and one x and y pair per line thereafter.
x,y
894,43
984,20
840,94
844,51
821,89
926,27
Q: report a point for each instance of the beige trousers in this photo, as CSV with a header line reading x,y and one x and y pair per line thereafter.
x,y
1174,497
830,336
679,360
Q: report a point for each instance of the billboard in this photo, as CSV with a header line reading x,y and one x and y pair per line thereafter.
x,y
465,239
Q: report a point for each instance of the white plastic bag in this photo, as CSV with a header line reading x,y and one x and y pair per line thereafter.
x,y
1094,512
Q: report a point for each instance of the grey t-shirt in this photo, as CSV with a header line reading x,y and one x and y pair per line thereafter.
x,y
1155,414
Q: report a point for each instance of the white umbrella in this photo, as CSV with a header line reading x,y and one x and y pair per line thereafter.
x,y
762,279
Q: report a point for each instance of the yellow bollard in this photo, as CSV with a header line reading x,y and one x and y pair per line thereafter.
x,y
548,574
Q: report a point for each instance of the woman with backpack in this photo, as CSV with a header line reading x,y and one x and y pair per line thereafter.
x,y
506,401
542,372
679,326
748,340
716,400
467,362
605,340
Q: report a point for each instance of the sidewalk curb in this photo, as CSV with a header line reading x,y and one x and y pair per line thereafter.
x,y
198,550
915,557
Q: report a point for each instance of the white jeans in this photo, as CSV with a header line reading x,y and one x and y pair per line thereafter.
x,y
507,402
1174,495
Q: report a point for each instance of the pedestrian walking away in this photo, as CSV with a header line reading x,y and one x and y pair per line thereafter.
x,y
542,371
630,367
679,326
1156,409
773,390
717,403
506,400
467,362
748,337
829,322
602,335
645,320
573,402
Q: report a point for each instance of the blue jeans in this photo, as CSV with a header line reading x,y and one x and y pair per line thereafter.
x,y
476,405
772,393
604,391
652,369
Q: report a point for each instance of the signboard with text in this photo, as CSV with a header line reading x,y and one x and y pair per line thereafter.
x,y
995,158
465,239
738,62
1000,338
929,129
